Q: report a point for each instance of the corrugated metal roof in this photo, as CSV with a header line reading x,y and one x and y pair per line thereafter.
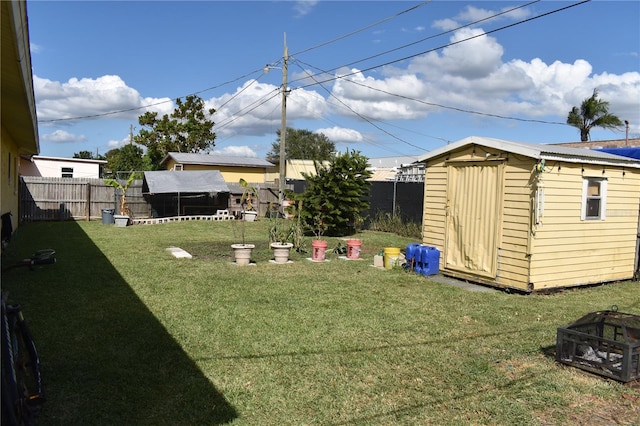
x,y
217,160
539,151
170,182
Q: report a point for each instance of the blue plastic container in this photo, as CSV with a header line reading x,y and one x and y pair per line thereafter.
x,y
412,254
430,260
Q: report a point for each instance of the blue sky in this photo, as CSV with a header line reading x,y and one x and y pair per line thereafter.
x,y
386,78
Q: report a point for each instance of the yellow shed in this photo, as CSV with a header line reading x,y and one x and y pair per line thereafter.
x,y
531,217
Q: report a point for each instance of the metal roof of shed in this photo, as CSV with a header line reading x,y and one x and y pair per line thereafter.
x,y
198,181
539,152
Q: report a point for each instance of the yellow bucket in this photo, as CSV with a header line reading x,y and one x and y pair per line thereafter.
x,y
391,257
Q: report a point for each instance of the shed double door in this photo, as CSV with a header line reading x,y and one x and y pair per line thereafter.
x,y
474,213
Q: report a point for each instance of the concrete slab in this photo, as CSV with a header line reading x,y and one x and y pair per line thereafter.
x,y
179,253
460,283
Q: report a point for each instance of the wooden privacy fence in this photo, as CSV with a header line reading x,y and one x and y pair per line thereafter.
x,y
45,198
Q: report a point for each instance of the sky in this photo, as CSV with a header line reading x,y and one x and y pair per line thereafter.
x,y
385,78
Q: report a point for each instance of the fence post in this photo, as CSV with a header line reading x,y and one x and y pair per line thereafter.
x,y
87,207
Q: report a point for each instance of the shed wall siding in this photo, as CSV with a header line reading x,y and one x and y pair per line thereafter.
x,y
513,262
568,251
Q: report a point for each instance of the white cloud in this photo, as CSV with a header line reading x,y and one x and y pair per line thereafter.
x,y
89,97
474,14
472,76
304,7
341,134
112,144
62,136
255,109
238,151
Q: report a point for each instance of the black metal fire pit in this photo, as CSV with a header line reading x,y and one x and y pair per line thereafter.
x,y
605,343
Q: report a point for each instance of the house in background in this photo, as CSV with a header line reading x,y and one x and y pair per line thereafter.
x,y
19,128
259,173
531,217
232,168
43,166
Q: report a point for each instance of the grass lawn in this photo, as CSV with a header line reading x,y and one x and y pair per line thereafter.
x,y
129,335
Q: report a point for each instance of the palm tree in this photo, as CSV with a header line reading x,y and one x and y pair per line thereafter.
x,y
593,112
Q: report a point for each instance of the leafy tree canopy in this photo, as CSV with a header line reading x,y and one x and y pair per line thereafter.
x,y
128,158
302,145
592,113
88,155
336,195
187,129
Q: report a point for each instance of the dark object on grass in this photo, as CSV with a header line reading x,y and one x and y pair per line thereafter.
x,y
605,343
7,229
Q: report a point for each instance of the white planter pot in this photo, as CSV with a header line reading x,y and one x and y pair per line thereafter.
x,y
121,220
281,252
249,215
242,253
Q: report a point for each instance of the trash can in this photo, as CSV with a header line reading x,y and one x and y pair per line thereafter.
x,y
107,216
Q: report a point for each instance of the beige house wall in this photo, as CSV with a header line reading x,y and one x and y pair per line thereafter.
x,y
9,168
568,251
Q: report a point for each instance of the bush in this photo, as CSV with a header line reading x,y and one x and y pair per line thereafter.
x,y
387,222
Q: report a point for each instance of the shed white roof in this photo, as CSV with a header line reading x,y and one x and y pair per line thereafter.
x,y
539,152
198,181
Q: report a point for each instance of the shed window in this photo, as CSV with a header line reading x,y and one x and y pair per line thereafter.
x,y
594,199
67,172
178,167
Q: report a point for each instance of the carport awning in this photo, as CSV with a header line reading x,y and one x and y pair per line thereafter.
x,y
171,182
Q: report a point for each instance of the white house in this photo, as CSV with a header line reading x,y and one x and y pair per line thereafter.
x,y
43,166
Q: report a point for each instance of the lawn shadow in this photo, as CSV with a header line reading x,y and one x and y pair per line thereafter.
x,y
105,358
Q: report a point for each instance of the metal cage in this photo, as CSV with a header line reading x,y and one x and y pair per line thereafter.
x,y
606,343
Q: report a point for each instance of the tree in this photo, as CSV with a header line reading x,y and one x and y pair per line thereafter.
x,y
186,130
302,145
335,195
88,155
592,113
128,158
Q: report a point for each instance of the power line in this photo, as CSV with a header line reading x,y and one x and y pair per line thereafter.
x,y
363,117
371,121
453,43
411,9
104,114
238,78
430,37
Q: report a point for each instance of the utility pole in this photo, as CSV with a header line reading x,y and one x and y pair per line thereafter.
x,y
283,127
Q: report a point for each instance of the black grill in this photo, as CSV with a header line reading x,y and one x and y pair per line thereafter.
x,y
606,343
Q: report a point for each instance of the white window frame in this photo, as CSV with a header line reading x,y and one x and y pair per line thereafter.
x,y
602,197
178,167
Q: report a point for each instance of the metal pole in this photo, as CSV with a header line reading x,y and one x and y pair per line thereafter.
x,y
283,127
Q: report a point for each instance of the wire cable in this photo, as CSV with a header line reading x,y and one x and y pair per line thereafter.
x,y
411,9
430,37
453,43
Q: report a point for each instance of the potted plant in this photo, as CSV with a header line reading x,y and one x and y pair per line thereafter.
x,y
318,246
280,236
242,251
122,219
249,192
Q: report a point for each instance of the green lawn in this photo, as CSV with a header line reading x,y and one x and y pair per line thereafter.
x,y
129,335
